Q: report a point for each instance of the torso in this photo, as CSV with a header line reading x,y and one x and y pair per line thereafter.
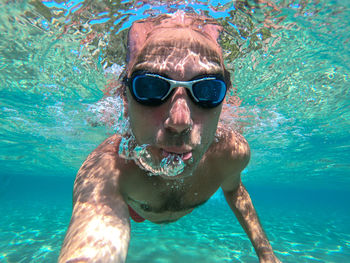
x,y
160,200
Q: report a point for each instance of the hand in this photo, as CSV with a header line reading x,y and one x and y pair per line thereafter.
x,y
269,258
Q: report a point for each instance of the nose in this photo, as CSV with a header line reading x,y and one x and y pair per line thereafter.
x,y
179,119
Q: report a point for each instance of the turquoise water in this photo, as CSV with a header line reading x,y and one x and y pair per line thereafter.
x,y
291,75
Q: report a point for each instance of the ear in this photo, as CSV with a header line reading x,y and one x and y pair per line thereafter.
x,y
126,107
124,97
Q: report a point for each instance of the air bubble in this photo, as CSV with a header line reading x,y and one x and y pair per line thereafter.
x,y
171,165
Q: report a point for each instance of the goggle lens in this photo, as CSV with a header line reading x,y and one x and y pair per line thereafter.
x,y
209,93
149,90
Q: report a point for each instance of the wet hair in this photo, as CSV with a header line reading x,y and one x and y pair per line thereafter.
x,y
145,28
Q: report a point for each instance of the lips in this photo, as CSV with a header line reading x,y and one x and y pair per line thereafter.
x,y
184,154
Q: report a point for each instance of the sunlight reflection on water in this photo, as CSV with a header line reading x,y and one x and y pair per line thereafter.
x,y
59,63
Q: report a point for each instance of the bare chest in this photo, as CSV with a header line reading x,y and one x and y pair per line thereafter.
x,y
166,206
160,200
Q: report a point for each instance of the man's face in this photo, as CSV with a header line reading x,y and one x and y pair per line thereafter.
x,y
178,126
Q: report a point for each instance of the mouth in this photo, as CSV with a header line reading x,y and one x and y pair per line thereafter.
x,y
184,154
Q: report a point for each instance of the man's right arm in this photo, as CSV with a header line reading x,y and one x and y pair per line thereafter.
x,y
99,229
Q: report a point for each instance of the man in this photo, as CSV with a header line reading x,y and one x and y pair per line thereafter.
x,y
176,155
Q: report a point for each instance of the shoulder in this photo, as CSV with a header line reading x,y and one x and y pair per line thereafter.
x,y
109,146
234,146
104,155
234,157
108,149
99,170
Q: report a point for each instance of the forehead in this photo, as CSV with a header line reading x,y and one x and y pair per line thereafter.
x,y
180,53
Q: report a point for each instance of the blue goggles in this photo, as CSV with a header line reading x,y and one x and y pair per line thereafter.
x,y
153,90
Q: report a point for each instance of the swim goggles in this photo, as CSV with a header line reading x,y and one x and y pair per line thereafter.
x,y
153,90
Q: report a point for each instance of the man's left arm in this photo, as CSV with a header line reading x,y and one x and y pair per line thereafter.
x,y
242,206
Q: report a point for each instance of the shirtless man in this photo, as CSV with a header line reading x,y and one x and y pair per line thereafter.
x,y
176,157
